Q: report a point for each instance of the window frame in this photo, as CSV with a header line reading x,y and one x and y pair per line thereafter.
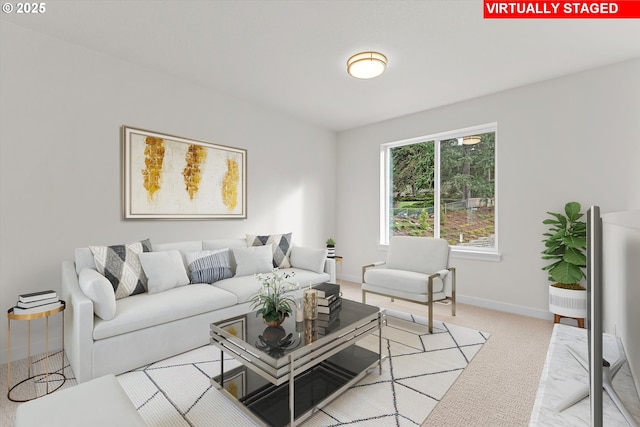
x,y
469,252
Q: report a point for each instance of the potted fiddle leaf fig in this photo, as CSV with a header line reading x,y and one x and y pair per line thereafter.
x,y
565,246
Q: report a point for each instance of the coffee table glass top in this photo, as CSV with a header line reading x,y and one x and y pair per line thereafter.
x,y
274,344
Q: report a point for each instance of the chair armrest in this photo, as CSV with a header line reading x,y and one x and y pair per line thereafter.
x,y
443,273
447,273
375,264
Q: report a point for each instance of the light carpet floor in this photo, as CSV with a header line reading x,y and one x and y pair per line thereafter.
x,y
417,372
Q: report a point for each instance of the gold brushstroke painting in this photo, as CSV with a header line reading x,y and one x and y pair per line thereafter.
x,y
171,177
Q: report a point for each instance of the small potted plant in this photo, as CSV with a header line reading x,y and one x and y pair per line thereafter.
x,y
331,248
565,246
272,300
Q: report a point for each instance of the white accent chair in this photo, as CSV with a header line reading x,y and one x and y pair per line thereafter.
x,y
417,270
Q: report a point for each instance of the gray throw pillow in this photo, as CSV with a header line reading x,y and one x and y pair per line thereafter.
x,y
209,266
281,246
121,266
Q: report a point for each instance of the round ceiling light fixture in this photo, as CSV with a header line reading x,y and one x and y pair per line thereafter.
x,y
471,140
366,65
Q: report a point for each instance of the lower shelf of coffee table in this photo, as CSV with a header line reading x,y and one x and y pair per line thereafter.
x,y
313,388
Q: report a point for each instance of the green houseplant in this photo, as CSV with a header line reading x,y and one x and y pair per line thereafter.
x,y
565,246
272,300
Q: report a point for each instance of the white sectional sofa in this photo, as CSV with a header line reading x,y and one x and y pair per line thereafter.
x,y
148,327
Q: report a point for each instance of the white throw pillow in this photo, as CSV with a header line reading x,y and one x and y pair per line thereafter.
x,y
99,290
164,270
308,258
253,259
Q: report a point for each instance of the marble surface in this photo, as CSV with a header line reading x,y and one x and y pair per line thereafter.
x,y
563,375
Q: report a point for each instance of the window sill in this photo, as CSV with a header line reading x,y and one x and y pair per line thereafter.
x,y
477,255
459,253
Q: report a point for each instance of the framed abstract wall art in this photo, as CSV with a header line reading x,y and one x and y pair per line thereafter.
x,y
170,177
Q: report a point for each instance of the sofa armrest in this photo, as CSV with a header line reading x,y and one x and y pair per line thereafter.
x,y
330,269
78,324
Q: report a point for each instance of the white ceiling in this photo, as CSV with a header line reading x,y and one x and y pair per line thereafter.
x,y
290,56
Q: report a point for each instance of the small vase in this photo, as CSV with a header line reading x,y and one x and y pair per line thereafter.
x,y
277,322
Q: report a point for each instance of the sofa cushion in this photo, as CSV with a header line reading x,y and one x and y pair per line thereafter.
x,y
253,260
100,291
183,247
243,287
164,270
308,258
209,266
281,246
412,282
419,254
121,265
213,245
146,310
304,278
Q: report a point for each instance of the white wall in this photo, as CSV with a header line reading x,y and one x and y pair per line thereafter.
x,y
571,138
61,111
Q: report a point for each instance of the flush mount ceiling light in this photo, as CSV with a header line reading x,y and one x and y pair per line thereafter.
x,y
471,140
366,65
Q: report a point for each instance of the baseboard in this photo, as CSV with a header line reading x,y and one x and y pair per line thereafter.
x,y
349,278
484,303
507,308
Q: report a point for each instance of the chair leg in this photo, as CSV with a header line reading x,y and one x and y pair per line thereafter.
x,y
453,291
392,299
364,297
430,290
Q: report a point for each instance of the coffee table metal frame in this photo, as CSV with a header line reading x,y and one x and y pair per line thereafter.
x,y
285,369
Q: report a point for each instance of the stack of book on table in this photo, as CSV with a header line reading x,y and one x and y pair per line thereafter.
x,y
329,305
37,302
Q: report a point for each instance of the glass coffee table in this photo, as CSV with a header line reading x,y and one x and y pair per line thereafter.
x,y
290,371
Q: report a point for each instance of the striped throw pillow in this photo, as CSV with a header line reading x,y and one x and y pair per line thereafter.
x,y
209,266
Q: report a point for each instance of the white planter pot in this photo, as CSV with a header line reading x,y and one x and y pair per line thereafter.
x,y
568,302
331,251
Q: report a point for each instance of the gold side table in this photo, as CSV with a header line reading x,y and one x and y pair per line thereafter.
x,y
338,259
47,375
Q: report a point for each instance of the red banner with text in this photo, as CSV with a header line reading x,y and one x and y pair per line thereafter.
x,y
622,9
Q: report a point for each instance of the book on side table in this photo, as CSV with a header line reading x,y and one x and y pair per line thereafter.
x,y
37,296
37,302
37,308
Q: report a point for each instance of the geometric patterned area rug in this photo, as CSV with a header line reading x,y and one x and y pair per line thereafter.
x,y
417,371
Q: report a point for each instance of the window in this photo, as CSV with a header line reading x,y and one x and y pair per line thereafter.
x,y
441,186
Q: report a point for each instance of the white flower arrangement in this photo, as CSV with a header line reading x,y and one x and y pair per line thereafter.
x,y
272,300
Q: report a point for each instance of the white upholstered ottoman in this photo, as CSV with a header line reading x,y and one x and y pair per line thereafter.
x,y
99,402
